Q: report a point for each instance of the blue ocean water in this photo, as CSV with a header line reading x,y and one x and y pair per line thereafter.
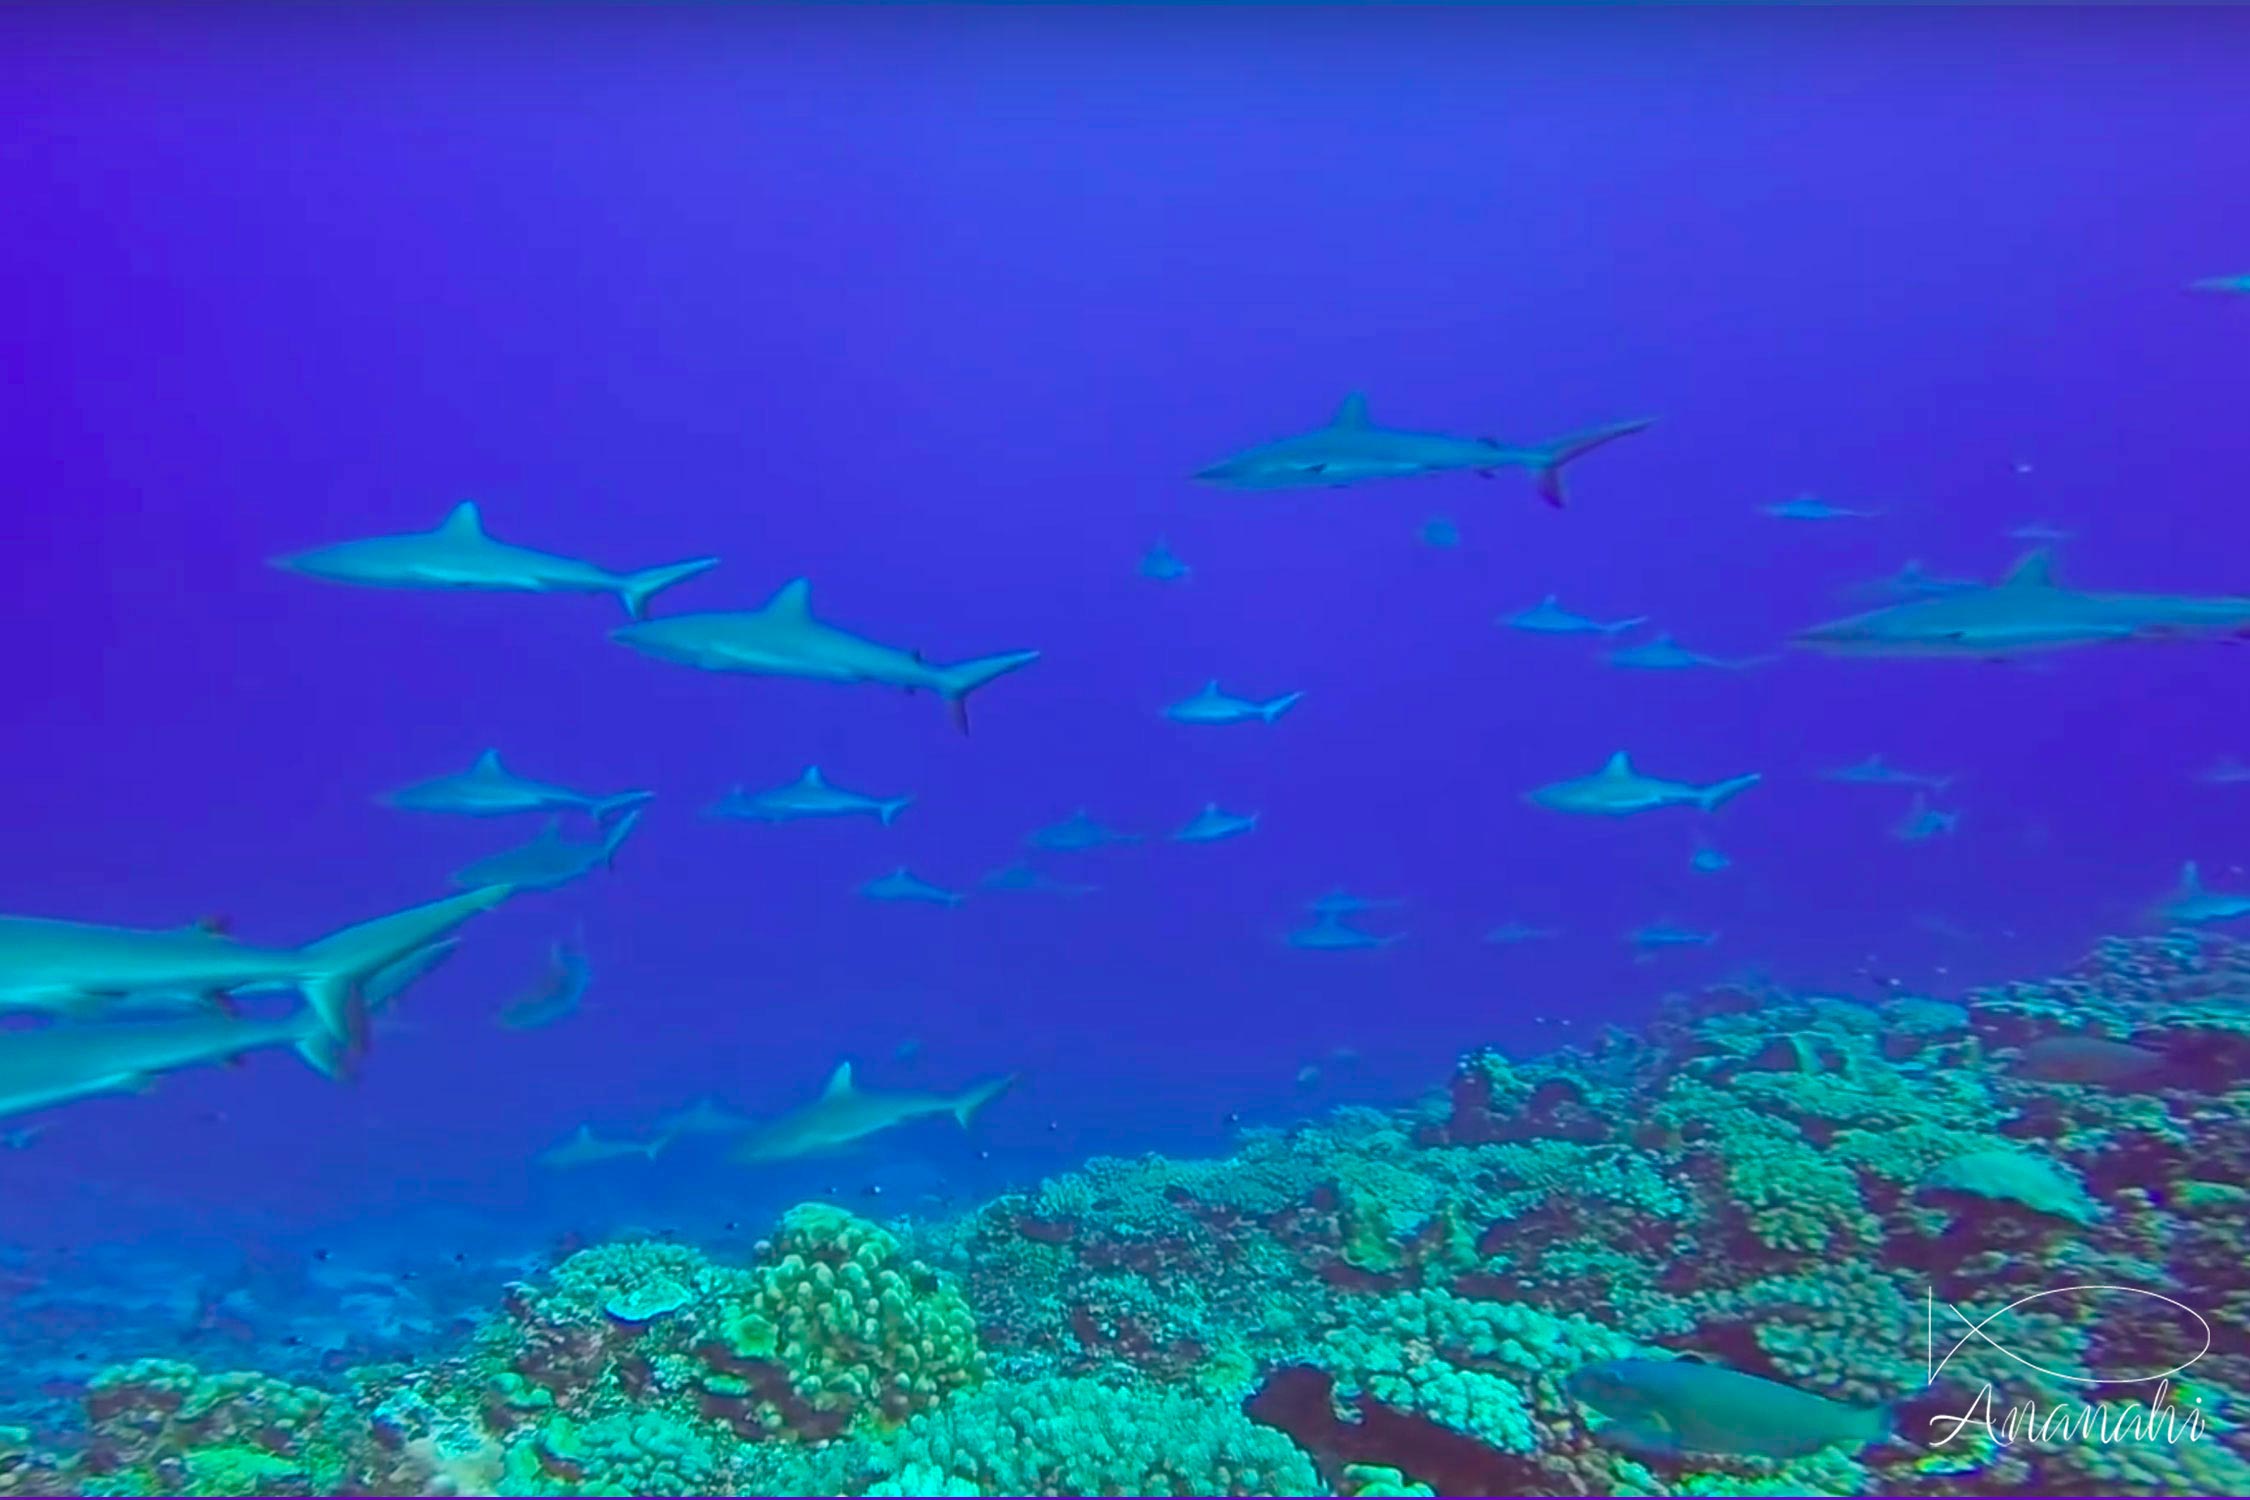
x,y
941,309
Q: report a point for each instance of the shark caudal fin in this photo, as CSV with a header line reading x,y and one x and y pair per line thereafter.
x,y
977,1096
957,682
613,835
327,1052
1713,797
889,811
636,589
1547,474
1276,707
602,809
347,971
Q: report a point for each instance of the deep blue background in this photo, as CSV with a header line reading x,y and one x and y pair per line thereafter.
x,y
938,308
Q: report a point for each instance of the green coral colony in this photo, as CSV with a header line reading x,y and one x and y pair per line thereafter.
x,y
1689,1261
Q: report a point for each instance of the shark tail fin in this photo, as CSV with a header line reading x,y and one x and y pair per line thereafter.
x,y
1548,476
958,681
613,836
1713,797
602,809
977,1096
889,811
1274,709
636,589
1619,627
349,971
660,1143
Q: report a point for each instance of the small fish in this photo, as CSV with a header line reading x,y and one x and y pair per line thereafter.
x,y
1211,825
1668,1407
1022,877
1509,934
1664,654
1923,821
1210,706
1330,934
459,555
2085,1059
550,860
1617,790
2195,904
1440,532
901,886
1660,935
585,1149
1342,903
1548,617
1709,861
557,994
1077,833
1813,508
1875,771
2238,285
705,1116
809,796
1163,565
489,789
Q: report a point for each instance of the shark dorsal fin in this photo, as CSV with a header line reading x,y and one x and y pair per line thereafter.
x,y
462,521
488,764
1618,765
1353,413
1211,688
811,777
2034,570
2191,878
794,600
839,1082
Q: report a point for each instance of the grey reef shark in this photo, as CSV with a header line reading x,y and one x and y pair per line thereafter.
x,y
460,555
784,640
489,789
1352,449
844,1115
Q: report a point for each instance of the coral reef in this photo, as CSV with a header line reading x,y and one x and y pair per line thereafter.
x,y
1799,1189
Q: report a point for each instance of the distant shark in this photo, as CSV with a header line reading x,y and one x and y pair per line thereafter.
x,y
1912,581
1333,934
1663,654
2194,903
1076,833
1875,771
2027,611
1210,706
843,1116
1661,935
586,1149
784,640
809,796
1813,508
550,860
1352,449
2238,285
2226,771
1617,790
1548,617
1707,860
557,995
75,968
1164,565
1923,821
489,789
459,555
902,885
1342,903
1211,825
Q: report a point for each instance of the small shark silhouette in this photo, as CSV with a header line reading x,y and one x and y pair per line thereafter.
x,y
556,996
1617,790
1330,933
1163,565
2027,611
843,1115
585,1149
2238,285
459,555
1211,825
2226,771
1663,654
1923,821
900,885
2194,903
1548,617
1210,706
1709,861
1076,833
1342,903
784,640
489,789
1813,508
1351,448
809,796
1660,935
1875,771
550,860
